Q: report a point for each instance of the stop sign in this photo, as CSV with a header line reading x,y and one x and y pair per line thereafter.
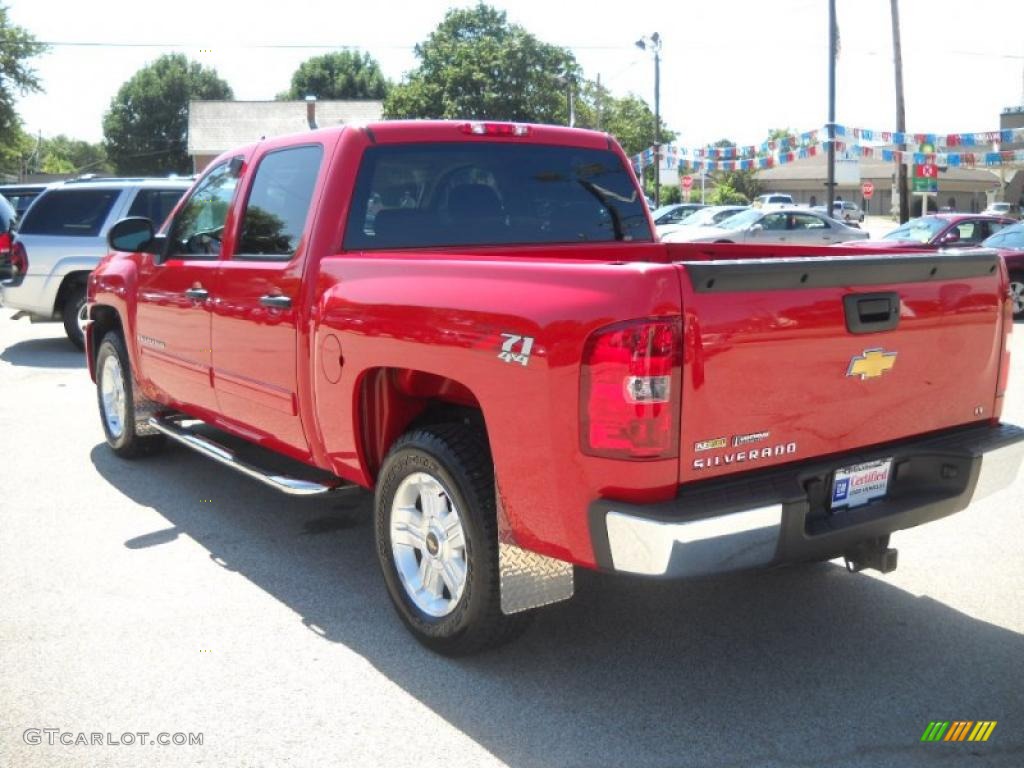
x,y
868,189
687,182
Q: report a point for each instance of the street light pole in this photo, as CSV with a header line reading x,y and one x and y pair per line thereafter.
x,y
654,43
832,30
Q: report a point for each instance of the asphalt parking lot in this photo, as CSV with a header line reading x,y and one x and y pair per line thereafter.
x,y
172,595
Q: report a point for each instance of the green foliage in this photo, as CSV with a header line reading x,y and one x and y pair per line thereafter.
x,y
338,75
629,119
65,155
671,194
16,151
147,125
17,46
725,193
478,65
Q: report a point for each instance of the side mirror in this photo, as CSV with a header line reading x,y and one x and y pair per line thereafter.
x,y
952,236
130,235
756,227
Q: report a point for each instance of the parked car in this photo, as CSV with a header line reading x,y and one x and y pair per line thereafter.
x,y
674,213
801,226
705,217
63,236
1000,209
8,218
942,230
847,211
772,198
529,382
1010,244
21,195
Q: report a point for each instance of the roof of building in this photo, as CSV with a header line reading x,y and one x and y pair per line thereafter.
x,y
815,168
216,126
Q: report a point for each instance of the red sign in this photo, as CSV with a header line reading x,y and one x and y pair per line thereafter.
x,y
926,171
867,189
687,182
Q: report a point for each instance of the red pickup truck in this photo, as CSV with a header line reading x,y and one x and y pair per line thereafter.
x,y
475,320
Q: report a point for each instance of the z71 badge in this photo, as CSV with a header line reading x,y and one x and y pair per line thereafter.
x,y
509,353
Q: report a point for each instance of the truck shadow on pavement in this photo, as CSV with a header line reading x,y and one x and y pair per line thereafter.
x,y
44,353
800,666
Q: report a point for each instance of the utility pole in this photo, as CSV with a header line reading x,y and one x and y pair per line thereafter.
x,y
901,116
832,35
654,43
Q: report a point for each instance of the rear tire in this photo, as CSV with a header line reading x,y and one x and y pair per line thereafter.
x,y
115,394
437,540
73,315
1017,294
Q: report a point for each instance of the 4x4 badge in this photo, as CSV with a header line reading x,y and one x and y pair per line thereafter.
x,y
508,348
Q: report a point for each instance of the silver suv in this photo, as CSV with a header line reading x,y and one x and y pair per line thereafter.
x,y
63,236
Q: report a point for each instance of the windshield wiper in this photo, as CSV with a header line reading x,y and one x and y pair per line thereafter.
x,y
599,193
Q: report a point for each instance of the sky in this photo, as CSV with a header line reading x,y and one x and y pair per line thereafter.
x,y
730,69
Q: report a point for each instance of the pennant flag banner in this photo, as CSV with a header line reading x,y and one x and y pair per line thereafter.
x,y
921,149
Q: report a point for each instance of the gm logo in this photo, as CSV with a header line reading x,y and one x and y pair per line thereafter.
x,y
959,730
842,490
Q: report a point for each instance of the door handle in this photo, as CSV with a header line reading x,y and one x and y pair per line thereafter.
x,y
276,301
197,294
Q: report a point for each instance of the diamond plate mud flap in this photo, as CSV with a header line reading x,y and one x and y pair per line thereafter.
x,y
528,580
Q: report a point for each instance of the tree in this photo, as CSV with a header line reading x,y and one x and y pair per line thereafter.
x,y
478,65
736,187
146,128
65,155
17,46
338,75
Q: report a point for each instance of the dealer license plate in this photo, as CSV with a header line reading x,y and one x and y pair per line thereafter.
x,y
859,484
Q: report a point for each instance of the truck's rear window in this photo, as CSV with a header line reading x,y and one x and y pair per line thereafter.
x,y
428,195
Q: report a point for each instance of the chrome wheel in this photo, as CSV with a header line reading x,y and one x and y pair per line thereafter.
x,y
82,318
428,544
1017,295
112,396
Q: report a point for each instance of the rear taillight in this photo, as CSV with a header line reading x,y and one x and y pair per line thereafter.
x,y
19,258
5,245
630,390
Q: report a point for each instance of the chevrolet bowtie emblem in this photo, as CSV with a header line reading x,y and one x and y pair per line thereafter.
x,y
872,364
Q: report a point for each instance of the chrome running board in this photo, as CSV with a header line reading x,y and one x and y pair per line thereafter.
x,y
293,486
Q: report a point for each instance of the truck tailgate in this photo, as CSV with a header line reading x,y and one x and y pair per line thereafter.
x,y
789,359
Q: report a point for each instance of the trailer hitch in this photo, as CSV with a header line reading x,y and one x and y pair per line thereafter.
x,y
872,553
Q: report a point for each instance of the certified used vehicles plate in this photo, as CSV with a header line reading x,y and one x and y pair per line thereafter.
x,y
859,484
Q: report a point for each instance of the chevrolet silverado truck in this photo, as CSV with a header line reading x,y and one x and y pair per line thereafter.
x,y
474,320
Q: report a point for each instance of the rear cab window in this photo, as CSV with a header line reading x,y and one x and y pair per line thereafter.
x,y
455,194
69,212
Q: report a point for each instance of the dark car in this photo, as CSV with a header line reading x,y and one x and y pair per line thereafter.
x,y
943,230
1010,244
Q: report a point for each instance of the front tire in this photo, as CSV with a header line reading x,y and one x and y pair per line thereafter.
x,y
1017,294
74,316
437,540
115,393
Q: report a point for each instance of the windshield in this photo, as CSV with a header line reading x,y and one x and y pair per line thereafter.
x,y
489,193
918,230
741,220
1010,238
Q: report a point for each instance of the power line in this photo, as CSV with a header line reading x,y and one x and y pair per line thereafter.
x,y
267,46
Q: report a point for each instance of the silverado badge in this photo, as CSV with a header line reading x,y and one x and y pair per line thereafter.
x,y
872,364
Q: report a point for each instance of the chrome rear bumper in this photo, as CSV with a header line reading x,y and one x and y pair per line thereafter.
x,y
780,515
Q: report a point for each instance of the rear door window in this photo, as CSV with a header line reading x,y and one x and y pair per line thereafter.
x,y
69,212
429,195
275,214
155,204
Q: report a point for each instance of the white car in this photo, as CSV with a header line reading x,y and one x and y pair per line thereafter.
x,y
797,226
772,198
705,217
999,209
63,235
